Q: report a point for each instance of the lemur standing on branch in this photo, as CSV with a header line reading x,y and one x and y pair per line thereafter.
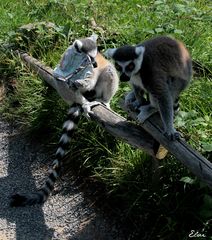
x,y
162,68
98,86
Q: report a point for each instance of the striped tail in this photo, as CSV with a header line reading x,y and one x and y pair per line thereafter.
x,y
41,196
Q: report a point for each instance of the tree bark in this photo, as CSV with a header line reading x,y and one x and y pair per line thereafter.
x,y
183,152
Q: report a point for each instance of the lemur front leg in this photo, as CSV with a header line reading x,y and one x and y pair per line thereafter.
x,y
135,99
84,85
164,103
86,105
88,82
146,111
141,96
129,99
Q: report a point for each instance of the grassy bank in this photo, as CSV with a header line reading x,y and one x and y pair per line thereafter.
x,y
163,204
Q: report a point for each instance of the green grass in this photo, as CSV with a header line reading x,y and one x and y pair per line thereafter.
x,y
165,203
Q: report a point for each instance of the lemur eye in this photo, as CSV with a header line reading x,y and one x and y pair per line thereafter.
x,y
130,67
77,48
118,67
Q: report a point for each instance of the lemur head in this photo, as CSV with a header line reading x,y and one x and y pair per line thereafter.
x,y
128,60
88,46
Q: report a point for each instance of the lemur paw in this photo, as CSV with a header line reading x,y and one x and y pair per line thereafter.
x,y
129,98
172,136
87,108
82,84
133,106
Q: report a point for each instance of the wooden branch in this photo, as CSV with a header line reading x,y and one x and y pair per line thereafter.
x,y
115,124
44,72
198,165
138,136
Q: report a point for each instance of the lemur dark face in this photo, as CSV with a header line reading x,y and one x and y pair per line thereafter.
x,y
128,60
87,46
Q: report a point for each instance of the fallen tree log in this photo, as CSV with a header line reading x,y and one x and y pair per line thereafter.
x,y
148,136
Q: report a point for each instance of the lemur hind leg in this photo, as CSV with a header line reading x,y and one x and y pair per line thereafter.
x,y
146,111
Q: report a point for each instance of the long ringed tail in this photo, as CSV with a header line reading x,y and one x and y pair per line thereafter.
x,y
43,193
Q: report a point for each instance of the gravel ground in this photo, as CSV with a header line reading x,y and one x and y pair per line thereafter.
x,y
66,215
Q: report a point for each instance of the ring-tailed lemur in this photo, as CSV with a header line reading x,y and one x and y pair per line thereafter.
x,y
98,87
162,68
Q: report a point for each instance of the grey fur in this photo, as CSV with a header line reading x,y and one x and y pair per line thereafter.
x,y
163,70
103,84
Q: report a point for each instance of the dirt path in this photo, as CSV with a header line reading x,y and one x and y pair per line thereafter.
x,y
67,214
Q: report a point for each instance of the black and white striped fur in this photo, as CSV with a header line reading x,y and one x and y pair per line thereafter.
x,y
160,67
41,196
97,88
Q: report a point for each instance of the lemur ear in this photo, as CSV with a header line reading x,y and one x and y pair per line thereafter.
x,y
94,37
109,52
139,50
78,45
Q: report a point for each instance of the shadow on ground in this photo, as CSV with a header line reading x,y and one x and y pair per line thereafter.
x,y
18,155
66,215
